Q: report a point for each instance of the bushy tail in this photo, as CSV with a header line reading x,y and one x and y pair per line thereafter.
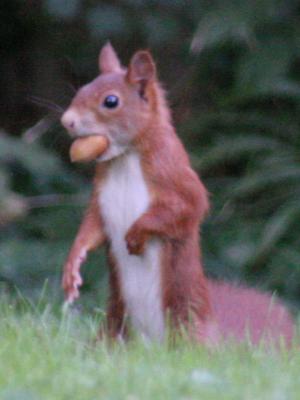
x,y
244,313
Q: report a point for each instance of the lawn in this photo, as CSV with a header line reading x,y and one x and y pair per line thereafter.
x,y
48,354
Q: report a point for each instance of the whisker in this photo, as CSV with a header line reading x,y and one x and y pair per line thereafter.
x,y
72,87
46,104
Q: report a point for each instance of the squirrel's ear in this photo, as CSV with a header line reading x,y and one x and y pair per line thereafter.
x,y
141,68
108,59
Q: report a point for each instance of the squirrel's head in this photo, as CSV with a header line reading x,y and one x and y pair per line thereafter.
x,y
119,104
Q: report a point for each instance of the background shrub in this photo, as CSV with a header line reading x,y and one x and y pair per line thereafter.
x,y
232,73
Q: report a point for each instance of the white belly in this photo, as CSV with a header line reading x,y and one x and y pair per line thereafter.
x,y
123,199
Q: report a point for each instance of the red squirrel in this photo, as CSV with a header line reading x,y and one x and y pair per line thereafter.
x,y
146,206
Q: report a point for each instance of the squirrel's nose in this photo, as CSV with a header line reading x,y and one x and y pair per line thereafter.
x,y
70,120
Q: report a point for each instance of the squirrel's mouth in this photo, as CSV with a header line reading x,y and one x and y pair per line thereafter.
x,y
88,148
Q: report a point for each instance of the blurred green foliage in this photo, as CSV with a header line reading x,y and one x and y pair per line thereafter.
x,y
232,73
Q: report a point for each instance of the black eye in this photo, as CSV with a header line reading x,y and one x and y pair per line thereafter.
x,y
111,101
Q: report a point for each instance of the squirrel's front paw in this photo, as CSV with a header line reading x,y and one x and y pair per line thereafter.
x,y
135,241
72,280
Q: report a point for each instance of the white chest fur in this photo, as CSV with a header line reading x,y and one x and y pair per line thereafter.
x,y
123,199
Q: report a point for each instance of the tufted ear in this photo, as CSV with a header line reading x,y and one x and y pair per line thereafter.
x,y
108,59
141,68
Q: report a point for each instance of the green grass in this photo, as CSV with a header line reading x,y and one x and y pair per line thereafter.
x,y
47,355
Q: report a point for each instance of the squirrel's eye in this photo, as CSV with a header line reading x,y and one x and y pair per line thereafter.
x,y
111,101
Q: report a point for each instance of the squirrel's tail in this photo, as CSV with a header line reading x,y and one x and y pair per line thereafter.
x,y
245,313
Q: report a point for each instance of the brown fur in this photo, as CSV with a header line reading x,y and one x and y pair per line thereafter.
x,y
179,200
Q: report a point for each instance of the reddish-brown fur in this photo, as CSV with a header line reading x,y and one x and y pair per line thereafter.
x,y
247,313
179,204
